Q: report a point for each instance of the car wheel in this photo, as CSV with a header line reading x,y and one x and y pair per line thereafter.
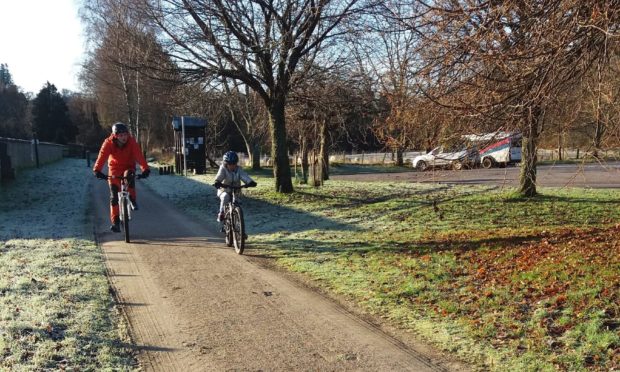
x,y
457,165
487,163
421,166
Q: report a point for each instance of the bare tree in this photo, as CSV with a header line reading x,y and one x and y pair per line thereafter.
x,y
601,91
128,72
504,61
249,116
390,54
261,44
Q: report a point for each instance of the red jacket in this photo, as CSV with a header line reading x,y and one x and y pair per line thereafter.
x,y
120,159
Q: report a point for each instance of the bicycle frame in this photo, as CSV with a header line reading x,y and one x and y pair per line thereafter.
x,y
228,208
124,201
123,194
234,226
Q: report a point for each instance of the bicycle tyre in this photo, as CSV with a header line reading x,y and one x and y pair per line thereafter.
x,y
238,230
228,231
125,218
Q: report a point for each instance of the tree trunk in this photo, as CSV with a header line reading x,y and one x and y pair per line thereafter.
x,y
599,128
255,156
598,137
279,147
560,146
138,134
527,178
324,153
304,160
317,179
399,157
128,99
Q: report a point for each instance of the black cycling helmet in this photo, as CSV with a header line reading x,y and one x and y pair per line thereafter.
x,y
231,157
119,128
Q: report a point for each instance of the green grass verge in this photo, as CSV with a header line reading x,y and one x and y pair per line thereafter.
x,y
56,312
506,283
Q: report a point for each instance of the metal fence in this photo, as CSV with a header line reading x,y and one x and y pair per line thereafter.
x,y
388,158
344,158
575,154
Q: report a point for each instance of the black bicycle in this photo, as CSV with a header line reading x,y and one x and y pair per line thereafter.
x,y
125,205
233,225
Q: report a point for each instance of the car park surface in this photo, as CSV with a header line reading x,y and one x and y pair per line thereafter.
x,y
594,175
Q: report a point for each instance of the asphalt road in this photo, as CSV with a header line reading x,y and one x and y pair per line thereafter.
x,y
606,175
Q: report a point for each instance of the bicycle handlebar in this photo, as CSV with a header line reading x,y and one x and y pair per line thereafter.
x,y
136,176
232,187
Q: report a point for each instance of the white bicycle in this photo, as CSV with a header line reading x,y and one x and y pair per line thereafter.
x,y
125,205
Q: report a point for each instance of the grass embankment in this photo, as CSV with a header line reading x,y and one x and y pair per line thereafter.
x,y
56,312
504,282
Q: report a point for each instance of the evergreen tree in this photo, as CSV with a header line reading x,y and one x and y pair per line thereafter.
x,y
50,117
5,76
13,108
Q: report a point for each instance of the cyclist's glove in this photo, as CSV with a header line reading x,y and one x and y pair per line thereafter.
x,y
145,173
251,184
100,175
218,185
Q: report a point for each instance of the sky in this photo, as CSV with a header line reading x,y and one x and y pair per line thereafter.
x,y
40,41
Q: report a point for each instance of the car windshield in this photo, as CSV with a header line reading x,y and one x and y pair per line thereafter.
x,y
454,148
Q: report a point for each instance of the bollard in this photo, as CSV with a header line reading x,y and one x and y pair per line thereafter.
x,y
160,170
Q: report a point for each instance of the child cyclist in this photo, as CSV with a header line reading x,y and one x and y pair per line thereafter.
x,y
229,174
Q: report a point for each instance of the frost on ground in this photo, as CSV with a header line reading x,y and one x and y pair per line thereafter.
x,y
277,221
49,202
266,221
56,312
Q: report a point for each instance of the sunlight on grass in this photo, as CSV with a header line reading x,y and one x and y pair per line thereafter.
x,y
505,282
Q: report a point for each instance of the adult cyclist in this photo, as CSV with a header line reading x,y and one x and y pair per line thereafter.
x,y
229,174
122,152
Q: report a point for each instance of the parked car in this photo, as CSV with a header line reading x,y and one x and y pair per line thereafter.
x,y
444,157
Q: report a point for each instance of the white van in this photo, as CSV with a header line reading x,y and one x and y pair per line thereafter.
x,y
506,150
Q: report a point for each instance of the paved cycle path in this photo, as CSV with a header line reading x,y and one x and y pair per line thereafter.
x,y
194,305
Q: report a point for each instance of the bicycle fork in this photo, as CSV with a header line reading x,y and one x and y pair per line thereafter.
x,y
124,196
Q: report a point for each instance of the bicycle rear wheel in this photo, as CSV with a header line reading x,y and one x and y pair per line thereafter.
x,y
125,212
238,230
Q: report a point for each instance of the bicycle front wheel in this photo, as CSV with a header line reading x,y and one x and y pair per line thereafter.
x,y
125,212
238,230
228,231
